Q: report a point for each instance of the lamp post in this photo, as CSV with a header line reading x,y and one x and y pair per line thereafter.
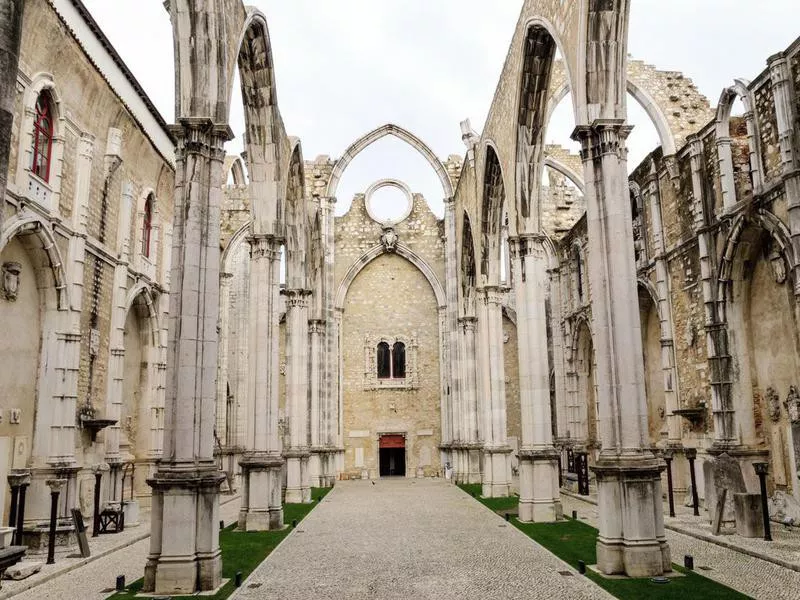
x,y
691,454
761,470
668,460
55,486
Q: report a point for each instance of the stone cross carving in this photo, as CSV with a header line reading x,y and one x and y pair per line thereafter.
x,y
11,271
389,239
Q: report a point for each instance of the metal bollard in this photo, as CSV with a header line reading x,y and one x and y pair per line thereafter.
x,y
688,562
581,567
238,579
508,517
120,583
574,515
294,523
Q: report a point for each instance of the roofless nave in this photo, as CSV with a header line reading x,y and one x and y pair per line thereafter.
x,y
613,319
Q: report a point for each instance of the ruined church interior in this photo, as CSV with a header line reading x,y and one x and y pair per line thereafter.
x,y
215,345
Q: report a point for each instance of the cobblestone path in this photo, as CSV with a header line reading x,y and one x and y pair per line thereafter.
x,y
410,538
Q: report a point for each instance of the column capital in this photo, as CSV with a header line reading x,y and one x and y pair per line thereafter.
x,y
778,68
493,294
56,485
602,137
19,477
264,245
468,323
316,325
201,135
297,297
528,244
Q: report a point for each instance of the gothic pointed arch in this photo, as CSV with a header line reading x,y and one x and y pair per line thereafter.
x,y
468,267
294,219
492,205
373,136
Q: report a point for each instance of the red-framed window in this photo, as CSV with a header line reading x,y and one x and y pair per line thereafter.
x,y
42,137
147,226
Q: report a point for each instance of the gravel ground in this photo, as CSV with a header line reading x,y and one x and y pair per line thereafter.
x,y
410,538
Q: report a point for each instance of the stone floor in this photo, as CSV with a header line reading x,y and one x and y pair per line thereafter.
x,y
410,538
76,579
750,575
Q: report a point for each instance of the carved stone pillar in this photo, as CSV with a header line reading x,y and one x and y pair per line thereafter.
x,y
184,543
539,496
471,454
631,538
297,455
452,436
496,451
665,315
262,463
316,332
718,353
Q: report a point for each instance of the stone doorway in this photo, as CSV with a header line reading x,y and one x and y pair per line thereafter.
x,y
392,455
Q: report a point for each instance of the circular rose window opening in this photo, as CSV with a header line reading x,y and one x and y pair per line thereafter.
x,y
388,201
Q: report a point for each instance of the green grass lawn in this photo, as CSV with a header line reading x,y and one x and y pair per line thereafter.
x,y
496,504
243,551
572,541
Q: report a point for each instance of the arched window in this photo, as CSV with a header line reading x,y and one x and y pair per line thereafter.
x,y
384,361
398,360
147,226
42,137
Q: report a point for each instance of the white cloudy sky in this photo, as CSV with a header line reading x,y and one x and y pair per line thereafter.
x,y
344,67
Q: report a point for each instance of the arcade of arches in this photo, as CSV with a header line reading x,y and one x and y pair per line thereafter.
x,y
564,305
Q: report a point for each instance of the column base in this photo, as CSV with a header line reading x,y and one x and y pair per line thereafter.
x,y
184,545
262,509
496,468
474,463
539,497
298,489
631,521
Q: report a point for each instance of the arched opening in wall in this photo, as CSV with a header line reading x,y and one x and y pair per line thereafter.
x,y
390,158
653,372
642,140
505,258
388,203
391,383
492,210
763,335
587,392
740,150
468,269
578,276
20,357
136,423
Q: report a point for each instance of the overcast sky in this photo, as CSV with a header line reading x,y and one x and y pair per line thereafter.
x,y
344,67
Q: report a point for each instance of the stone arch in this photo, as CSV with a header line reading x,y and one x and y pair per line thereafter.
x,y
569,173
237,238
401,250
724,141
653,109
143,293
236,170
294,220
493,196
39,239
373,136
585,417
652,333
468,267
262,121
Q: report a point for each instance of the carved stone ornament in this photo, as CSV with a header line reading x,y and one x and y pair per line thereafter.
x,y
389,239
773,404
793,404
778,267
11,271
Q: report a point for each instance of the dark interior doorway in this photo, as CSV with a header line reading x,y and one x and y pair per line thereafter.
x,y
392,456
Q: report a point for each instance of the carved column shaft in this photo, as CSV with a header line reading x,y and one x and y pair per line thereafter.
x,y
316,332
631,529
297,485
184,544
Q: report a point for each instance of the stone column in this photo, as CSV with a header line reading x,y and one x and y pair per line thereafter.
x,y
10,36
184,543
316,332
262,463
539,496
330,398
223,426
496,452
471,460
452,390
297,455
631,538
718,353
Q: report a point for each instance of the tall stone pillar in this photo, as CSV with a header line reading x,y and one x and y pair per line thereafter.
x,y
330,398
10,36
451,413
471,454
298,488
262,463
539,495
631,538
496,451
316,332
184,542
